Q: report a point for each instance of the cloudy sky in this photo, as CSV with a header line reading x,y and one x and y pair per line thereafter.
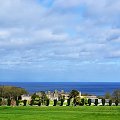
x,y
60,40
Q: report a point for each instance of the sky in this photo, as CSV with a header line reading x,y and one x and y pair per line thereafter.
x,y
60,40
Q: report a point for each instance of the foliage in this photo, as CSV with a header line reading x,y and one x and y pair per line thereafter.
x,y
116,102
55,102
62,101
9,102
116,95
110,102
68,102
89,102
107,95
24,102
74,94
47,102
11,92
103,102
82,101
96,102
0,101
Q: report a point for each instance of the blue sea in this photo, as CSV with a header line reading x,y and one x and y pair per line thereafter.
x,y
94,88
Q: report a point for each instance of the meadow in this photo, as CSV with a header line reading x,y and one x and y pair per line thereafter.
x,y
60,113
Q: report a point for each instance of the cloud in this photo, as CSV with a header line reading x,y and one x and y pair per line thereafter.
x,y
39,33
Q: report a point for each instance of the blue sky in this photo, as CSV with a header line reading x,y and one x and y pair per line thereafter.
x,y
60,40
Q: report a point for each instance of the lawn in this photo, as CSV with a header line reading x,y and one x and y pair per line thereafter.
x,y
60,113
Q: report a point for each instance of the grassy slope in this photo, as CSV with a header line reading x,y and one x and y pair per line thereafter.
x,y
60,113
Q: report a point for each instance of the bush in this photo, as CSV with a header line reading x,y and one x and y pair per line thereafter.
x,y
82,101
96,102
110,102
74,102
116,102
31,102
39,103
55,102
8,102
89,102
17,102
62,101
0,101
103,102
24,102
68,102
47,102
4,102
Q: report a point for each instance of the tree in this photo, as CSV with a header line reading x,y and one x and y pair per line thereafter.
x,y
103,102
89,102
74,94
0,101
110,102
55,102
68,102
11,92
62,101
107,95
116,102
96,102
82,101
47,102
116,95
24,102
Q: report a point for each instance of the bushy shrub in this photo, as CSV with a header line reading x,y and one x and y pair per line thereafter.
x,y
89,102
110,102
74,102
39,103
82,101
17,102
68,102
47,102
55,102
96,102
103,102
32,102
62,101
8,102
4,102
0,101
116,102
24,102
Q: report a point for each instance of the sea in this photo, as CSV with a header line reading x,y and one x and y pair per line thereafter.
x,y
93,88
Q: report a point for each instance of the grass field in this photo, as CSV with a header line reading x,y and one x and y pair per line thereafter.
x,y
60,113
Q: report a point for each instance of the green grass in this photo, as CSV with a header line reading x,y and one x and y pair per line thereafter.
x,y
60,113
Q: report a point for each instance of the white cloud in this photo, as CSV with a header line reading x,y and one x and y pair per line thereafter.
x,y
31,33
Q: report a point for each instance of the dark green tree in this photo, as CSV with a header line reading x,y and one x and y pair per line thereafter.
x,y
68,102
47,102
24,102
116,102
110,102
74,94
103,102
82,101
55,102
89,102
96,102
116,95
62,101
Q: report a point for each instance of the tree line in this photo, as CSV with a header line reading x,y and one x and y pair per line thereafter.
x,y
13,96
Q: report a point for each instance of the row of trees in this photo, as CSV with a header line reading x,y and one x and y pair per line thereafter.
x,y
13,95
11,102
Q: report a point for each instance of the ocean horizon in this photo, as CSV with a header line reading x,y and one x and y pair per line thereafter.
x,y
93,88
